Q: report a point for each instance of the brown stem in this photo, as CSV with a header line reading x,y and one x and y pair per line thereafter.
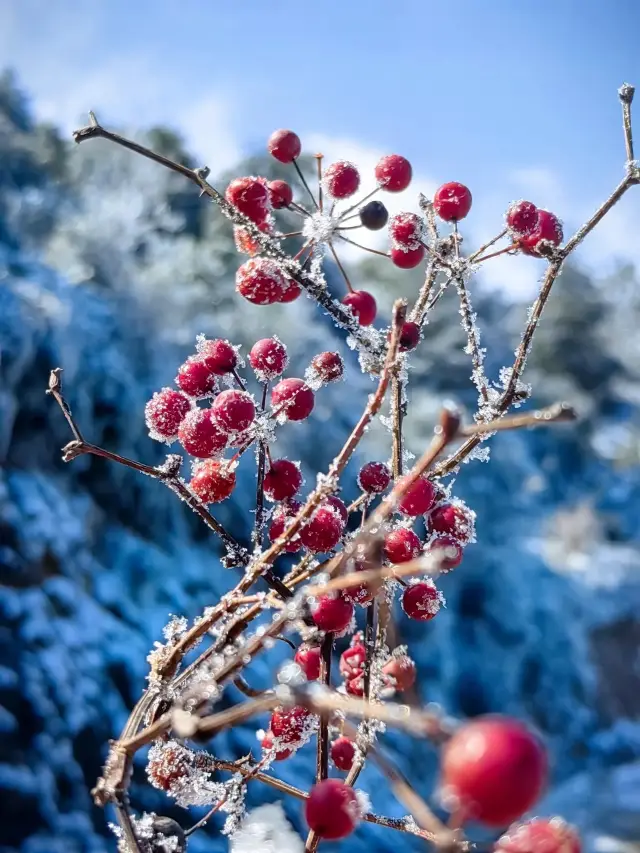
x,y
418,311
488,245
340,267
468,323
304,183
511,248
258,531
626,93
365,248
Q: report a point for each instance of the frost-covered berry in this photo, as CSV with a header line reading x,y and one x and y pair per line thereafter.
x,y
374,477
282,480
339,506
261,281
323,531
418,498
409,336
331,810
401,545
352,659
245,242
328,366
308,658
393,173
448,550
168,763
280,194
292,399
407,259
363,306
213,480
251,196
233,411
280,520
452,201
547,235
292,291
289,725
267,744
540,835
452,519
400,672
164,413
284,145
200,435
332,612
196,378
406,230
374,215
361,593
421,600
341,179
494,768
522,217
269,358
219,356
342,753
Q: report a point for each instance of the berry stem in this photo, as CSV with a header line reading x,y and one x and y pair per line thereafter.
x,y
299,208
304,183
340,267
258,529
365,248
488,244
626,93
239,380
468,323
319,168
419,310
357,204
513,247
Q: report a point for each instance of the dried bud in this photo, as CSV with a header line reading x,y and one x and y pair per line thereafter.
x,y
450,419
626,93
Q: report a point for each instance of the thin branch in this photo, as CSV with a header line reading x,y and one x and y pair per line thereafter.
x,y
304,183
340,267
418,311
626,93
474,348
488,245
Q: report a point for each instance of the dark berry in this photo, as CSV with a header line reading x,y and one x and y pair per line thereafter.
x,y
452,201
213,480
421,600
261,281
342,753
406,230
328,366
363,306
341,179
280,194
374,215
250,196
284,145
164,413
200,435
332,613
233,411
522,218
331,810
374,477
219,356
401,545
196,378
282,480
407,259
292,399
393,173
308,658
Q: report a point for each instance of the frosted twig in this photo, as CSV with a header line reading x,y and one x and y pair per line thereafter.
x,y
626,93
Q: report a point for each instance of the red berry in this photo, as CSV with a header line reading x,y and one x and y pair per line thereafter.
x,y
323,531
363,306
452,201
341,179
342,752
282,480
522,217
250,196
219,356
542,835
452,519
200,435
247,243
401,545
331,809
280,520
407,259
362,593
352,659
328,366
374,477
308,658
284,145
406,230
168,764
448,550
269,358
332,613
409,336
292,291
355,686
213,480
495,768
164,413
289,725
292,399
261,281
401,671
234,411
339,506
196,378
421,600
280,194
547,235
267,745
418,498
393,173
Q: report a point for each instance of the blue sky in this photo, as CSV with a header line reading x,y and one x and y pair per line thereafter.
x,y
515,99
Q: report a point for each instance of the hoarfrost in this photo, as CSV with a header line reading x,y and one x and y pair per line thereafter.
x,y
267,830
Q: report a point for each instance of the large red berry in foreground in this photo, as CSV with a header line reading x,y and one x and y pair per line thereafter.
x,y
452,201
165,412
448,551
452,519
234,411
332,612
407,259
332,809
522,217
406,230
393,173
292,399
409,336
308,658
269,358
280,520
289,725
352,659
374,477
495,768
280,194
401,545
547,235
219,356
363,306
418,498
195,378
282,480
213,480
342,753
250,196
284,145
323,531
200,435
267,744
328,366
341,179
261,281
540,835
292,291
421,600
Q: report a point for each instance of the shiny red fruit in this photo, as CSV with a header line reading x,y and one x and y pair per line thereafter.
x,y
289,725
406,230
261,281
282,480
292,399
547,235
195,378
452,519
401,545
332,613
363,306
342,753
323,531
219,356
449,551
200,435
393,173
522,217
284,145
540,835
341,179
339,506
164,413
308,658
280,520
409,336
421,600
331,809
452,201
280,194
328,366
407,259
269,358
374,477
267,744
233,411
212,480
251,197
418,498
